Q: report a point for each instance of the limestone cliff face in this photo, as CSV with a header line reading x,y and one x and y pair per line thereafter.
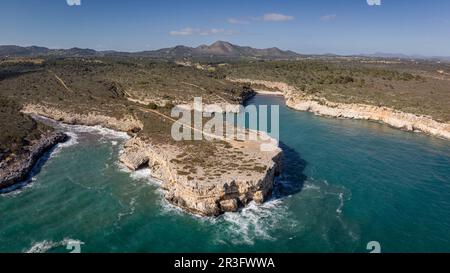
x,y
237,173
197,193
397,119
320,106
126,124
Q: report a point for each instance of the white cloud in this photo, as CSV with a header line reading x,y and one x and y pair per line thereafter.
x,y
238,21
212,31
188,31
328,17
184,32
374,2
268,17
277,17
73,2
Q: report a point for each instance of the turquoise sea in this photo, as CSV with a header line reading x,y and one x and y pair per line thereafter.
x,y
345,183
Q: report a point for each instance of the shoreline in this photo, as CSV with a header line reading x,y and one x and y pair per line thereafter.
x,y
19,170
227,186
322,107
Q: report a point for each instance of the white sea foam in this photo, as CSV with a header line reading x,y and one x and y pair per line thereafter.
x,y
96,129
16,189
168,208
99,130
310,187
45,246
41,247
73,140
121,167
131,209
256,222
74,131
144,174
141,174
341,203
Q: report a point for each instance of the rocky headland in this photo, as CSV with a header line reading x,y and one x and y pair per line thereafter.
x,y
202,177
19,168
223,184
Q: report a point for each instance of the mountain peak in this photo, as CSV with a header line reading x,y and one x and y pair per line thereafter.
x,y
219,48
221,43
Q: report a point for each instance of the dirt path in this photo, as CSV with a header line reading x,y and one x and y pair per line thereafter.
x,y
174,120
146,110
61,81
201,88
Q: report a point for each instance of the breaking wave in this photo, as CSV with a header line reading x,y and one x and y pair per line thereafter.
x,y
98,130
73,140
255,221
143,175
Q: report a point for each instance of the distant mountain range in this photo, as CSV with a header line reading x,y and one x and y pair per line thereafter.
x,y
218,49
405,56
34,51
223,49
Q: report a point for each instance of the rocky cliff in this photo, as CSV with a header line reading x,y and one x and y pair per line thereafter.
x,y
320,106
205,177
126,124
18,169
199,191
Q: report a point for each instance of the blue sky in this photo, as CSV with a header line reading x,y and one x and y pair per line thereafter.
x,y
313,26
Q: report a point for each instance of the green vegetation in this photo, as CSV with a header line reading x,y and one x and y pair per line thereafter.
x,y
17,129
124,86
115,87
410,87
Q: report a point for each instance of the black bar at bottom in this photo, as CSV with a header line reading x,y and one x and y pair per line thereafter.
x,y
206,262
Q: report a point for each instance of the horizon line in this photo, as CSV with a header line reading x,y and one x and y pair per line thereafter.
x,y
367,54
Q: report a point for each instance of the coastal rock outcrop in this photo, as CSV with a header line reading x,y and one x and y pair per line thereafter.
x,y
320,106
18,169
202,177
203,191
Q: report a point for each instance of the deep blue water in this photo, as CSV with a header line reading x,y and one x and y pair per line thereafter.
x,y
344,183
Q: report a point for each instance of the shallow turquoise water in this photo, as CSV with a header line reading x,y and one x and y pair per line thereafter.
x,y
345,183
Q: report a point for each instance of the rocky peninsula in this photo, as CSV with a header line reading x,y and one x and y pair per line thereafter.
x,y
223,184
136,96
205,178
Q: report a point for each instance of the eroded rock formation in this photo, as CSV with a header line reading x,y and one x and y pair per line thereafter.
x,y
205,177
202,191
